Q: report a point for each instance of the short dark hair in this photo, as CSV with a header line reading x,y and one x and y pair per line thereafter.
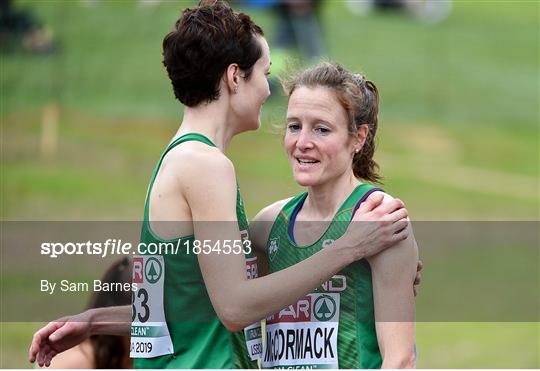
x,y
204,42
360,99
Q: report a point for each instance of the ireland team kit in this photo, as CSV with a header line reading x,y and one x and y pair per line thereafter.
x,y
334,326
175,326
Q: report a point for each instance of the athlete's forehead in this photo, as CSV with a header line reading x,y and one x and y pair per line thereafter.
x,y
314,103
265,57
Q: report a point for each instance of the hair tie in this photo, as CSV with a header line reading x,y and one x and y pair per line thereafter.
x,y
359,79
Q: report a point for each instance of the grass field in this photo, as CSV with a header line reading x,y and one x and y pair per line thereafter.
x,y
458,140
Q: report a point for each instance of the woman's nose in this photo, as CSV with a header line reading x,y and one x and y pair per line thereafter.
x,y
304,140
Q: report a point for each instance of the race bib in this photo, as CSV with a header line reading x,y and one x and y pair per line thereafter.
x,y
304,335
252,333
253,340
149,333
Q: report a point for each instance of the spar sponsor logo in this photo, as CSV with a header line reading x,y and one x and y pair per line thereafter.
x,y
324,308
251,268
304,333
152,270
138,266
299,312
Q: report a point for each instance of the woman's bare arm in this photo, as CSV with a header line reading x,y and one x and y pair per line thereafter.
x,y
239,301
393,273
68,332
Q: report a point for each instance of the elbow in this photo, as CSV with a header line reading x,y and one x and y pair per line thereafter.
x,y
232,326
232,309
399,361
231,318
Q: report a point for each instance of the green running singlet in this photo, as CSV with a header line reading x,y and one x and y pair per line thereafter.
x,y
174,324
334,326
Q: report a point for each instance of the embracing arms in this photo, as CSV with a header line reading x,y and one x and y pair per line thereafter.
x,y
239,301
211,195
70,331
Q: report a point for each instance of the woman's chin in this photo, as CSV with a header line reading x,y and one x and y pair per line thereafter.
x,y
255,124
303,180
258,124
250,126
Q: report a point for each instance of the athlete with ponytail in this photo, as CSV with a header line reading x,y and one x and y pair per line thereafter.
x,y
191,307
364,316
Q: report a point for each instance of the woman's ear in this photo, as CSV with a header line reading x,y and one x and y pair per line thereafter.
x,y
232,78
361,136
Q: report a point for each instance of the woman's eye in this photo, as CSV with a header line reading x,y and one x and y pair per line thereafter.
x,y
293,127
322,130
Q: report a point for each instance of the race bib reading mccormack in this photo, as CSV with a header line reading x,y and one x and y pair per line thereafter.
x,y
149,333
304,335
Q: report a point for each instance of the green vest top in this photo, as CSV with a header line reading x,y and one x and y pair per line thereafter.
x,y
198,337
351,288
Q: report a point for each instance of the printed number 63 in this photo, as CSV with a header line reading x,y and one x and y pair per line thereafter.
x,y
144,306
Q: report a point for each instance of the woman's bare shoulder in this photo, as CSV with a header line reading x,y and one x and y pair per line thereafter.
x,y
261,225
270,212
196,157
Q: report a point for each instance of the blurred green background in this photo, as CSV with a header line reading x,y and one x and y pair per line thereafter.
x,y
82,128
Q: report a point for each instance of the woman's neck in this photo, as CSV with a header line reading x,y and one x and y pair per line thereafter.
x,y
323,201
210,120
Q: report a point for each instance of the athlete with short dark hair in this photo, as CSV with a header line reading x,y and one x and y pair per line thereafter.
x,y
187,301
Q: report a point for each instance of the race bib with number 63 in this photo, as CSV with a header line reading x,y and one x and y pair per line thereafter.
x,y
149,333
